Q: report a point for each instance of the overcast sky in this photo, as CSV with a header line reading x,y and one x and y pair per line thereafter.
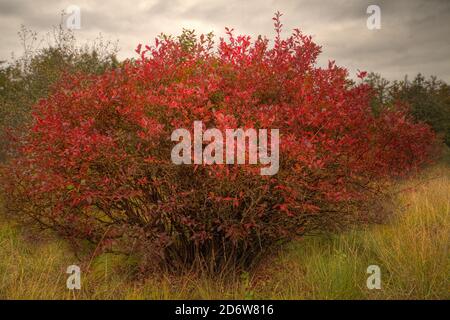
x,y
414,35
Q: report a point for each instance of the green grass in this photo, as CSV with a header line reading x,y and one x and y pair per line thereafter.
x,y
412,250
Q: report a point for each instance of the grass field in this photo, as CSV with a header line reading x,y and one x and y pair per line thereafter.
x,y
412,250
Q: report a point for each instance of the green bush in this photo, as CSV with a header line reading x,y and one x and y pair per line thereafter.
x,y
429,99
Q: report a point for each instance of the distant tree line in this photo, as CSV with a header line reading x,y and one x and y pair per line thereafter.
x,y
428,99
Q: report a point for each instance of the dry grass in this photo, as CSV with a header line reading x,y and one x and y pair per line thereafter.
x,y
412,252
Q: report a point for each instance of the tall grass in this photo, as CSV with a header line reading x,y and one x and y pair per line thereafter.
x,y
412,250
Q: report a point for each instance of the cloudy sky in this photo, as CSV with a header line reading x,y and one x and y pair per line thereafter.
x,y
414,35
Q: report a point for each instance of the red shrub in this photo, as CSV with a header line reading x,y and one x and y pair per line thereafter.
x,y
96,163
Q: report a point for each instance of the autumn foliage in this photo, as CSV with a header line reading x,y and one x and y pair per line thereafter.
x,y
95,164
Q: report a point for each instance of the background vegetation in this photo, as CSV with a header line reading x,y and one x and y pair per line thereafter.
x,y
428,99
45,59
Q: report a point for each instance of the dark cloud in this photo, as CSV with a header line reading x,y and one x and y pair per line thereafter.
x,y
163,7
18,7
414,34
